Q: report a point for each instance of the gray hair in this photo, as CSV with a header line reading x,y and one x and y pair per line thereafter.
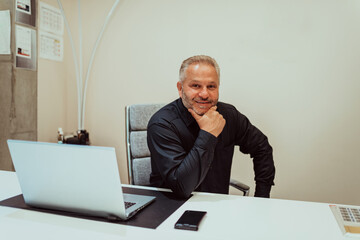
x,y
197,59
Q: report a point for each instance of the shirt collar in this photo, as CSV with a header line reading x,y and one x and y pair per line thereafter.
x,y
184,113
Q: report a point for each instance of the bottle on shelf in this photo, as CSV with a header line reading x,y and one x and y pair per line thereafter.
x,y
60,136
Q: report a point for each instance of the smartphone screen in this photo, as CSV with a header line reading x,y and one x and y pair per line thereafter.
x,y
190,220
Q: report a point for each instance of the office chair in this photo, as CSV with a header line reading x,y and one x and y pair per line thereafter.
x,y
138,154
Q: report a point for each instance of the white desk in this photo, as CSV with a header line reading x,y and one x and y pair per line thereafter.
x,y
228,217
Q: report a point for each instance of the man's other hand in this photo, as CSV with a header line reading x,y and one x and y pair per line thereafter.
x,y
212,121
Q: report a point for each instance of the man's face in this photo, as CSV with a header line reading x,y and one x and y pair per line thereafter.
x,y
200,89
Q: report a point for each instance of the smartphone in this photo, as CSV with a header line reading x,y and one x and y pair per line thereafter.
x,y
190,220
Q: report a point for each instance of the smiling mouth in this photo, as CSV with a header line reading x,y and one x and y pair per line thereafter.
x,y
199,102
203,105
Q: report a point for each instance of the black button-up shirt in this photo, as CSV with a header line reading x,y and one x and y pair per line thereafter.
x,y
185,158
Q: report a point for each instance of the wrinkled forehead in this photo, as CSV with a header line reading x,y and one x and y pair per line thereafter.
x,y
199,72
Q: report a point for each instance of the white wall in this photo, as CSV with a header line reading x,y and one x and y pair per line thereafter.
x,y
290,66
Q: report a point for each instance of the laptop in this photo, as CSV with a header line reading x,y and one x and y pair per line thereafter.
x,y
348,219
73,178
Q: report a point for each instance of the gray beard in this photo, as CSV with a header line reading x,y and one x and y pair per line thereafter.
x,y
186,103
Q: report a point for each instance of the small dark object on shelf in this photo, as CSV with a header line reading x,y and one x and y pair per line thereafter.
x,y
82,138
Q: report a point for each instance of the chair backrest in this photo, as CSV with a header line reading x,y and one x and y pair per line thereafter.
x,y
138,154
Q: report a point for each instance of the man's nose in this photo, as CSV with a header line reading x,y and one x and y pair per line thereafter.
x,y
204,93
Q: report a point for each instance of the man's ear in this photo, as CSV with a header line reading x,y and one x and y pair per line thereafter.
x,y
179,87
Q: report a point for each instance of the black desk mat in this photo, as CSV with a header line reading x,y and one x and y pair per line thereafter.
x,y
150,217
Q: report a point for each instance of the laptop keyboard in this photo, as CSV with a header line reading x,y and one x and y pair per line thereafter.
x,y
129,204
350,214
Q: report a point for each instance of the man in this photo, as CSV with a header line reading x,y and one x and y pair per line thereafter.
x,y
192,139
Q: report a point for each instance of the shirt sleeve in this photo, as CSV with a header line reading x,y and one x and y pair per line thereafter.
x,y
181,171
252,141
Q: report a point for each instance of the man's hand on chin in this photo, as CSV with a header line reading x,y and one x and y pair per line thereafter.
x,y
212,121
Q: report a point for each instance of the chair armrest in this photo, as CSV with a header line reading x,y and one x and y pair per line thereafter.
x,y
240,186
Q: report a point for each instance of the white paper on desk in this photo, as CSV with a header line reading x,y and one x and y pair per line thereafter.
x,y
5,32
23,6
23,41
51,19
51,46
